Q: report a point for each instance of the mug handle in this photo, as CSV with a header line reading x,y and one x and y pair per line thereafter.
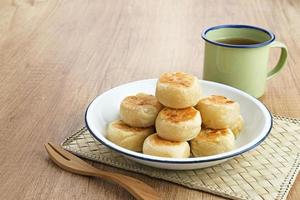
x,y
282,59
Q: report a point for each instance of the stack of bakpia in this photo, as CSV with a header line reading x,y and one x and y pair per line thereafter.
x,y
177,120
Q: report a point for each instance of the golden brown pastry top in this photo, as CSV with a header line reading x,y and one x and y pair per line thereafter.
x,y
217,99
155,139
141,99
121,125
177,79
211,135
178,115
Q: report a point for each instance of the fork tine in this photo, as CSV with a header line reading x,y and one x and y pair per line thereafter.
x,y
55,156
61,151
71,163
68,155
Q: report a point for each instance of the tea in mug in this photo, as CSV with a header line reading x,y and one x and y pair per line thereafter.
x,y
238,41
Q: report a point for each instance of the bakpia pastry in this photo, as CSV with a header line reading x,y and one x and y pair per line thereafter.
x,y
178,90
218,112
238,126
210,142
140,110
178,124
131,138
157,146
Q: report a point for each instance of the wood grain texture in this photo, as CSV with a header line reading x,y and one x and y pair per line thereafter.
x,y
56,56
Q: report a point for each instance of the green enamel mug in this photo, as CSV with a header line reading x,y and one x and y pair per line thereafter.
x,y
238,55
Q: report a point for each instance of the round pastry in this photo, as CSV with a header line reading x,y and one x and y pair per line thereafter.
x,y
178,90
140,110
238,126
178,124
210,142
131,138
218,112
157,146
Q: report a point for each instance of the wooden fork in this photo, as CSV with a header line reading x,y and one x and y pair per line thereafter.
x,y
72,163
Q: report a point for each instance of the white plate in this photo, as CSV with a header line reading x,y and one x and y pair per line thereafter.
x,y
105,108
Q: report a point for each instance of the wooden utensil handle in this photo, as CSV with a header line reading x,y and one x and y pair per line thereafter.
x,y
137,188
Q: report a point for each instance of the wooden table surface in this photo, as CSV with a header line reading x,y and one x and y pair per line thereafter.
x,y
56,56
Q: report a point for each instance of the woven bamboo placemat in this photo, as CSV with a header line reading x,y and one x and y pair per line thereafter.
x,y
267,172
